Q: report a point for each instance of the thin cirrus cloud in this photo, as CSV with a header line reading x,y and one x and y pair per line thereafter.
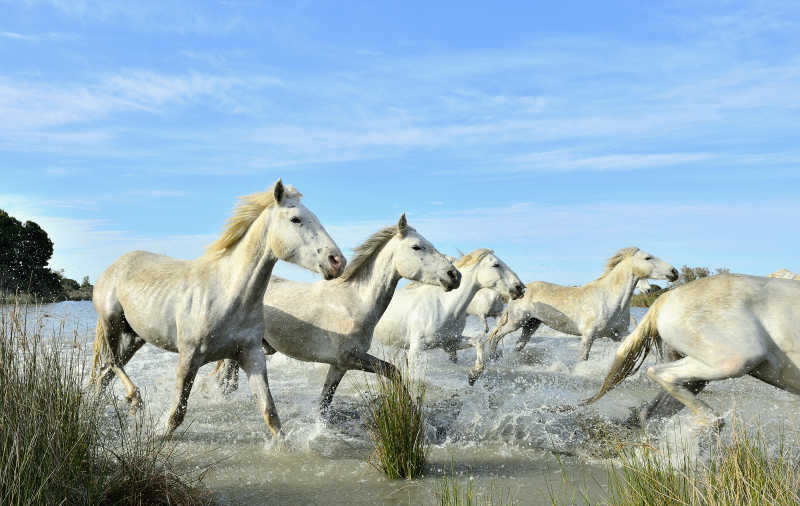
x,y
31,104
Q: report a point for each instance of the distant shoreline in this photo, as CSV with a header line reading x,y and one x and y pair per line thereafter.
x,y
29,298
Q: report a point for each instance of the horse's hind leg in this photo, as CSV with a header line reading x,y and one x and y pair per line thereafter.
x,y
675,376
663,405
123,343
451,349
529,326
227,376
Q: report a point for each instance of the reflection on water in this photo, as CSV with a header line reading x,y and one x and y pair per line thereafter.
x,y
517,428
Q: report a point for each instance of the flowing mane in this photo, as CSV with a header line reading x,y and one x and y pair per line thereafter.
x,y
366,251
618,257
246,212
470,258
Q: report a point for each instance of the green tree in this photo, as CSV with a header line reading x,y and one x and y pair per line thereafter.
x,y
25,250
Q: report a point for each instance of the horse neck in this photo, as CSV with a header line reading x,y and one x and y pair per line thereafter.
x,y
619,285
377,284
455,302
247,268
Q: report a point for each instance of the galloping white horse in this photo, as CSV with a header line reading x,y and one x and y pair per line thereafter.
x,y
332,321
784,274
209,308
719,327
425,317
486,303
597,309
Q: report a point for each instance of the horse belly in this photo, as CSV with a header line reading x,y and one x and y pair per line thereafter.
x,y
154,327
555,319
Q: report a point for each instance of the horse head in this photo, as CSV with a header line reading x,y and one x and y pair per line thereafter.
x,y
295,235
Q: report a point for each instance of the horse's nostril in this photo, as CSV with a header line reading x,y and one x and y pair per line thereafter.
x,y
452,274
333,260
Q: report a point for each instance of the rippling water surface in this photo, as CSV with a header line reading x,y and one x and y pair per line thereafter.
x,y
517,429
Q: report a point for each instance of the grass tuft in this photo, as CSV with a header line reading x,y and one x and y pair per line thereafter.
x,y
741,471
395,422
55,445
450,493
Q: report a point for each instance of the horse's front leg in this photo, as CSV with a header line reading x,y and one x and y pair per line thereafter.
x,y
586,345
485,324
332,380
189,361
588,335
529,326
254,365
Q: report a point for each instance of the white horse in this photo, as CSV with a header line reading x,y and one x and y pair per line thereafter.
x,y
597,309
426,317
486,303
719,327
332,321
784,274
209,308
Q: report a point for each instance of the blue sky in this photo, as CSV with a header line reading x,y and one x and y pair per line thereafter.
x,y
554,133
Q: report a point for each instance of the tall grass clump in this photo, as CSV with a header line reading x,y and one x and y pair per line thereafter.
x,y
137,467
395,422
55,447
48,433
449,492
741,471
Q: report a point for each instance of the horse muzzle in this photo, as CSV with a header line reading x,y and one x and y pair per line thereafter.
x,y
517,291
452,281
673,275
336,265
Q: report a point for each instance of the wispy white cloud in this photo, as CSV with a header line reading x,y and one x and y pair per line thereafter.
x,y
513,108
87,246
35,37
562,161
149,15
29,105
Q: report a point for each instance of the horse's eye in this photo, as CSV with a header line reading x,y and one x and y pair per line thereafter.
x,y
496,265
648,258
296,219
416,247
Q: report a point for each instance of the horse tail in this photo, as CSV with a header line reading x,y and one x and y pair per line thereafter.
x,y
632,351
100,347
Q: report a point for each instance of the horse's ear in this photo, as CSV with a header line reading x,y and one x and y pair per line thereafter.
x,y
402,225
278,191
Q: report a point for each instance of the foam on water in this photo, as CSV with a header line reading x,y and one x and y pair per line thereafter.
x,y
506,429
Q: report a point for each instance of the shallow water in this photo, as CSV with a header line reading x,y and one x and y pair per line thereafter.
x,y
517,429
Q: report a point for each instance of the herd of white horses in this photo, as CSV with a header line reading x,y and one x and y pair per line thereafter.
x,y
226,307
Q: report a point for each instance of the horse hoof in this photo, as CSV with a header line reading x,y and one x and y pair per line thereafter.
x,y
227,387
709,422
134,401
472,377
